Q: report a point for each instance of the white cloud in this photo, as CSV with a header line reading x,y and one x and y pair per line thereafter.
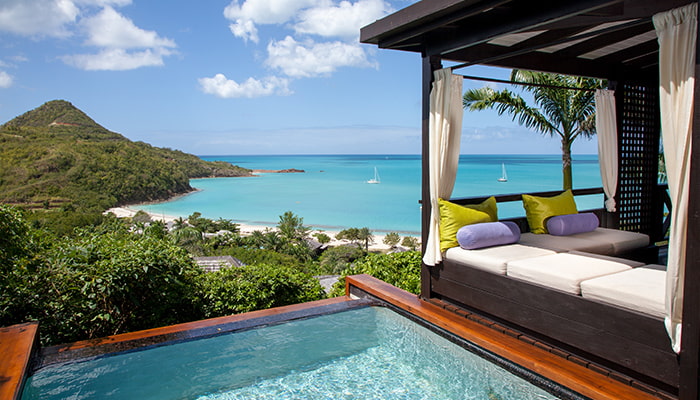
x,y
343,20
108,28
5,80
124,46
115,35
245,16
117,59
226,88
38,17
103,3
245,29
310,59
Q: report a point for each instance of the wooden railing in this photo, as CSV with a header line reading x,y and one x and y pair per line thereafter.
x,y
504,198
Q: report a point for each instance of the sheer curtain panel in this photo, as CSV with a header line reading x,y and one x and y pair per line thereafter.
x,y
606,128
676,31
445,129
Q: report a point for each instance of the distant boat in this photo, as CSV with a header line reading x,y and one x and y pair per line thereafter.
x,y
504,176
376,177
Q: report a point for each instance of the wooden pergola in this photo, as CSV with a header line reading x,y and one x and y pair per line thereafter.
x,y
607,39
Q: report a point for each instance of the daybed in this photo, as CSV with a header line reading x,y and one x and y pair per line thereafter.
x,y
603,308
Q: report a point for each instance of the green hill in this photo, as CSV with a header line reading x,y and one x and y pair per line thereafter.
x,y
56,155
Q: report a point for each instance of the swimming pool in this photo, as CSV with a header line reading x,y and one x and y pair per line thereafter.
x,y
362,353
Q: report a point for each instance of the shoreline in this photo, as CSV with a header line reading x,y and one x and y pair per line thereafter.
x,y
246,229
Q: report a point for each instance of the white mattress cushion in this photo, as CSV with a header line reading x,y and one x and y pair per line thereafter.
x,y
640,289
622,241
563,244
562,271
494,259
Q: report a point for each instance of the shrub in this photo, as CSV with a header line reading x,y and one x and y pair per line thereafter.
x,y
14,237
98,285
336,259
399,269
256,287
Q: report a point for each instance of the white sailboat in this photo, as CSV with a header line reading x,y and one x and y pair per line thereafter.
x,y
504,176
376,177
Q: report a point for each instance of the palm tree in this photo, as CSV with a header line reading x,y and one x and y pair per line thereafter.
x,y
566,113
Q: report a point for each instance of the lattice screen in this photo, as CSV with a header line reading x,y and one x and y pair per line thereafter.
x,y
639,131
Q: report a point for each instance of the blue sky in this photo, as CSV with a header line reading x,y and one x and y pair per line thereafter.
x,y
234,76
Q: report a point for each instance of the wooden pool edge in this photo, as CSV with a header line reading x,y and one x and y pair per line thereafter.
x,y
567,373
18,344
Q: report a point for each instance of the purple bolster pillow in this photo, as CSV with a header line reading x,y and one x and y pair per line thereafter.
x,y
569,224
488,234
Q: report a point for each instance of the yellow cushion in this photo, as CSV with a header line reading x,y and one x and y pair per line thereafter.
x,y
454,216
488,206
538,209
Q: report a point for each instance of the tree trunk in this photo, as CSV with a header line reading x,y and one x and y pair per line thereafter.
x,y
566,164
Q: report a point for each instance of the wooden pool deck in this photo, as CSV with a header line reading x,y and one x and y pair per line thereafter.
x,y
18,344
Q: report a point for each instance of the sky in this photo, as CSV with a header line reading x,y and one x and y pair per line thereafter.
x,y
230,77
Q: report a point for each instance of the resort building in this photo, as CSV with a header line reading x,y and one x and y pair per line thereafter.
x,y
594,306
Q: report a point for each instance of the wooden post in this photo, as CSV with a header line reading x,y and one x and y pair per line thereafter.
x,y
690,331
430,64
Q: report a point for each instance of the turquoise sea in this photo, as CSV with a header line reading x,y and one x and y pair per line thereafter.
x,y
334,194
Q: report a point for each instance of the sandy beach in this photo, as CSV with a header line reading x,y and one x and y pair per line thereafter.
x,y
246,229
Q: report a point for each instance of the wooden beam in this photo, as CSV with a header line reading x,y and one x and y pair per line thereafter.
x,y
545,62
603,40
690,342
521,18
430,65
409,16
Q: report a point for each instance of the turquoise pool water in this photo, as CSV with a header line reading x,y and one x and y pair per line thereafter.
x,y
366,353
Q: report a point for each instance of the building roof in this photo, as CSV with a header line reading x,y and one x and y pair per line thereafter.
x,y
215,263
597,38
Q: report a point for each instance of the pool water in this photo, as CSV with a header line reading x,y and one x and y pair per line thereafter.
x,y
365,353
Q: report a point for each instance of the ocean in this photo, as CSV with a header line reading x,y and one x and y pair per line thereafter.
x,y
333,192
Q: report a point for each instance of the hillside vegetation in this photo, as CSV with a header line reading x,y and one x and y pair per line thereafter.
x,y
56,155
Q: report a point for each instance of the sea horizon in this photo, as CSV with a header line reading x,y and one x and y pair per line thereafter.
x,y
333,193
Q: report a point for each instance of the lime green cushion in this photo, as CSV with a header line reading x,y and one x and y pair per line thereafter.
x,y
454,216
538,209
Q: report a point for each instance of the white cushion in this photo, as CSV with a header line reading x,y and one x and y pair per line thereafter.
x,y
622,241
494,259
640,289
562,271
600,241
563,244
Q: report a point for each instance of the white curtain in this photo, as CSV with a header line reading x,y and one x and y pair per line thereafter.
x,y
606,128
445,129
676,31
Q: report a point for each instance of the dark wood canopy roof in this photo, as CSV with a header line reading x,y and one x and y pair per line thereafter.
x,y
598,38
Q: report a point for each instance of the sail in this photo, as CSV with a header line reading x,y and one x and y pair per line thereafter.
x,y
504,175
376,178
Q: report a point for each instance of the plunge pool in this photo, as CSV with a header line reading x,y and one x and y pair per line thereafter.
x,y
370,352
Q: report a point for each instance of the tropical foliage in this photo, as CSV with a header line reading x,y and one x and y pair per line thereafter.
x,y
564,113
112,279
248,288
399,269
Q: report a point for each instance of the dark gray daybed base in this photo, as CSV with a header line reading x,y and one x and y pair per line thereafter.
x,y
630,342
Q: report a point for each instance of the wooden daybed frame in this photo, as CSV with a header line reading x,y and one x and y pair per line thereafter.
x,y
627,341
